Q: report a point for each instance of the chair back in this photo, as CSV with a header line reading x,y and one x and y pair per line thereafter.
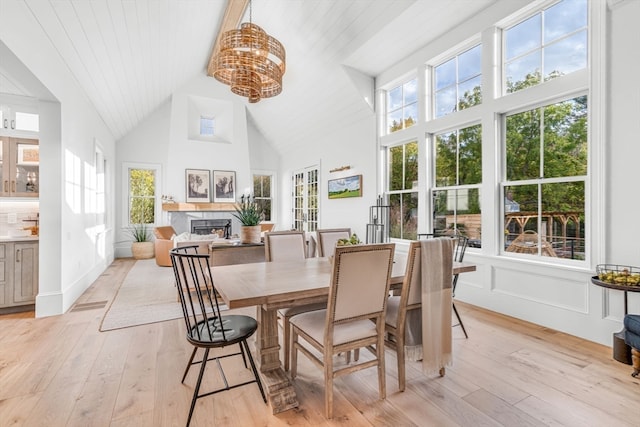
x,y
328,237
359,283
458,255
285,246
460,246
411,293
197,295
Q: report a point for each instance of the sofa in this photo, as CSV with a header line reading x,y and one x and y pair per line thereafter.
x,y
632,339
166,239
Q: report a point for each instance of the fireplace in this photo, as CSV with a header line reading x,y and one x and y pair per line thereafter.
x,y
222,227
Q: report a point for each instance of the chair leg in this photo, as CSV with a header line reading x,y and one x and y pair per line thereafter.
x,y
328,384
186,370
286,327
382,382
294,353
197,389
455,310
244,358
402,375
253,368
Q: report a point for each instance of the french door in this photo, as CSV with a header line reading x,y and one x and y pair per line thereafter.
x,y
305,188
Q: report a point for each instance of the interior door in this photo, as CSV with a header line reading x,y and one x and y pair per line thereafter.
x,y
305,188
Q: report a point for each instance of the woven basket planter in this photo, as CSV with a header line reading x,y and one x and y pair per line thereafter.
x,y
250,234
142,250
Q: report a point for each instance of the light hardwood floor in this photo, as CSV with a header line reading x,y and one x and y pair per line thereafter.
x,y
60,371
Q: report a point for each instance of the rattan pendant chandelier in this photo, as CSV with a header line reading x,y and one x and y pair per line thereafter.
x,y
250,61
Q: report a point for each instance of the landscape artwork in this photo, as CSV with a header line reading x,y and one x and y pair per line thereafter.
x,y
341,188
198,185
225,186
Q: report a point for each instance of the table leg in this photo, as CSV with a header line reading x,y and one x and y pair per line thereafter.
x,y
280,391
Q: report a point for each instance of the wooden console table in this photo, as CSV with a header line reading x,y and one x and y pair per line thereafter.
x,y
245,253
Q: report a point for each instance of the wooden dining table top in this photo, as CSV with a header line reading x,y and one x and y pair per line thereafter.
x,y
273,283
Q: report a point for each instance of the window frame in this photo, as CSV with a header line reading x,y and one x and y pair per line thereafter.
x,y
541,181
273,198
126,167
400,83
443,59
457,186
523,16
417,190
590,81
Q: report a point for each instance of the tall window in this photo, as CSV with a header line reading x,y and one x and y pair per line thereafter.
x,y
142,196
305,199
402,190
546,172
457,82
549,44
402,106
458,177
262,192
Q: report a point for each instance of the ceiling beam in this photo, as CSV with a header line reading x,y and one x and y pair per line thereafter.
x,y
231,20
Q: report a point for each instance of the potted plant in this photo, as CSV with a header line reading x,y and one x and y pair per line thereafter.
x,y
248,213
142,247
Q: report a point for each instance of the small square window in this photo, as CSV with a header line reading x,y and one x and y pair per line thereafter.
x,y
206,126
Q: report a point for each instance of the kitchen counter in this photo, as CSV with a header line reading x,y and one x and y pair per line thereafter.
x,y
19,239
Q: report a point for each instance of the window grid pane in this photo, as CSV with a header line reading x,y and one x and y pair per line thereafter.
x,y
529,61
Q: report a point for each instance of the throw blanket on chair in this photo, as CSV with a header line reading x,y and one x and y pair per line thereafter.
x,y
428,333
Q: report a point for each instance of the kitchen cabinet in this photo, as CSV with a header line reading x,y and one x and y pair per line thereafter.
x,y
18,119
19,167
18,273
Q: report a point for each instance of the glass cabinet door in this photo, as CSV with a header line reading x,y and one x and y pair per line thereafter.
x,y
27,170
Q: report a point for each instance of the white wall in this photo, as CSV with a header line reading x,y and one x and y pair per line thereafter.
x,y
622,202
354,146
163,139
73,251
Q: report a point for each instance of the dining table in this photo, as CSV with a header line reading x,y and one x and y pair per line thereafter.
x,y
271,286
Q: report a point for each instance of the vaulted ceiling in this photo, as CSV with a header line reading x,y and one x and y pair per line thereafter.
x,y
131,55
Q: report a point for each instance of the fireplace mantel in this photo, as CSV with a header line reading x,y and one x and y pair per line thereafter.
x,y
198,207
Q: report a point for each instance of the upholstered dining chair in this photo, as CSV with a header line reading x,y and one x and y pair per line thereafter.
x,y
288,246
357,294
398,306
285,246
206,328
328,237
459,250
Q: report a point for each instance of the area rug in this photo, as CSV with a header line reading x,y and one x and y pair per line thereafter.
x,y
147,295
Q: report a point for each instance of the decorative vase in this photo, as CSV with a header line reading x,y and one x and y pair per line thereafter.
x,y
142,250
250,234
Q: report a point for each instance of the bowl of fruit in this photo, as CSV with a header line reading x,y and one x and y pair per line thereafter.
x,y
618,274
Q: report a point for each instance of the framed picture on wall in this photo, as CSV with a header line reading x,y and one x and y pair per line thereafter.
x,y
224,183
341,188
198,183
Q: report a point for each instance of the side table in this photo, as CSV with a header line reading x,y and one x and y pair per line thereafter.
x,y
244,253
621,351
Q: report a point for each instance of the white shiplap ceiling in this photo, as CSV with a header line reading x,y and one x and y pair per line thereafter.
x,y
131,55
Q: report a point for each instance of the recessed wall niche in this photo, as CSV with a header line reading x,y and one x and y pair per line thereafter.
x,y
220,111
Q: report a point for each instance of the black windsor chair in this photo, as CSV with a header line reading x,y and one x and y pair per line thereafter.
x,y
206,328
